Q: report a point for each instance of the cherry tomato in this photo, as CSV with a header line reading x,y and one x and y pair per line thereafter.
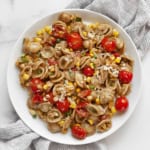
x,y
74,40
125,76
37,98
52,62
63,106
50,97
81,109
121,103
116,54
36,85
78,132
88,71
51,40
108,44
59,31
83,94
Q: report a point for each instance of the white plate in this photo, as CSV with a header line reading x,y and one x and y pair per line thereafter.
x,y
19,96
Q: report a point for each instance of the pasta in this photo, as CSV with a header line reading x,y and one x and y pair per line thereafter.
x,y
75,74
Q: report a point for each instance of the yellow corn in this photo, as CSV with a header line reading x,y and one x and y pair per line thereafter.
x,y
70,83
84,33
73,105
52,69
90,121
88,79
68,28
97,101
25,76
45,87
47,29
78,90
92,26
78,64
37,39
61,123
115,33
117,60
113,110
91,65
77,124
91,53
39,32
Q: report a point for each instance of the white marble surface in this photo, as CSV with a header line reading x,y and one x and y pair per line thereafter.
x,y
15,15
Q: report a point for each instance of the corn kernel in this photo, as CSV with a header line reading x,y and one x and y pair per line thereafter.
x,y
115,33
91,65
90,122
84,33
36,39
26,76
78,90
70,83
45,87
78,64
88,79
39,32
113,110
73,105
61,123
68,28
97,101
47,29
77,124
43,31
117,60
52,69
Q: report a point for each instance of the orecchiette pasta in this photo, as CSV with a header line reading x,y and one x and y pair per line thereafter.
x,y
75,74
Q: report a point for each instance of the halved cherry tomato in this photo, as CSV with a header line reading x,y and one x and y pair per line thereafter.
x,y
50,97
52,62
121,104
116,54
83,94
81,109
125,77
37,99
108,44
74,40
59,31
63,106
36,85
88,71
78,132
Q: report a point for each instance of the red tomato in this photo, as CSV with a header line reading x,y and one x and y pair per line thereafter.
x,y
108,44
51,40
83,94
63,106
81,109
37,99
74,40
78,132
88,71
59,31
52,62
116,54
121,103
36,85
125,76
50,97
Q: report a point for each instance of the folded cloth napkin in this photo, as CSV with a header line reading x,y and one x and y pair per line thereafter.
x,y
134,17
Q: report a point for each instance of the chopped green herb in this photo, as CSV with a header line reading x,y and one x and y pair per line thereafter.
x,y
24,59
95,56
78,19
38,71
91,87
83,53
34,116
58,40
68,113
